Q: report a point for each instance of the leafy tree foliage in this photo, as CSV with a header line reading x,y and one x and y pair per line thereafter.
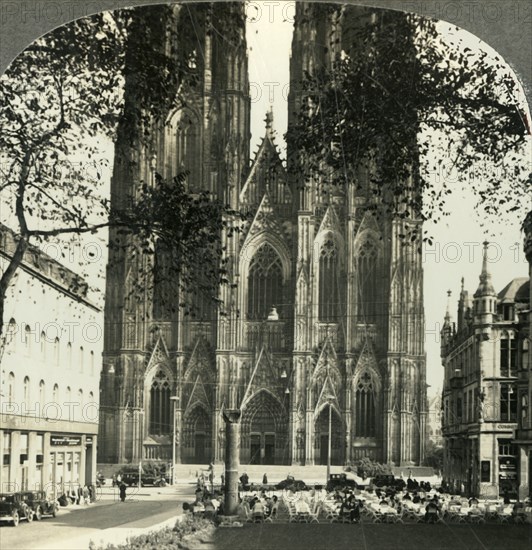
x,y
62,86
366,467
182,225
115,74
434,456
398,108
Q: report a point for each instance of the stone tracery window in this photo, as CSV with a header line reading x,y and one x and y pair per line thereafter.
x,y
265,283
328,298
160,404
365,405
367,288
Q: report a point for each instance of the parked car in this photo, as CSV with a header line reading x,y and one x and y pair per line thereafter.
x,y
384,480
340,481
291,483
40,504
13,508
132,479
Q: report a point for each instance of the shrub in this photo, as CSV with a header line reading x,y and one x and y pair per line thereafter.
x,y
366,467
168,538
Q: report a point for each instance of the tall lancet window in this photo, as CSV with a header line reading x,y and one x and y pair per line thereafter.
x,y
265,283
160,404
368,305
329,298
189,148
365,407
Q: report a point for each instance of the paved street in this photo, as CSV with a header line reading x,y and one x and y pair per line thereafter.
x,y
368,536
108,519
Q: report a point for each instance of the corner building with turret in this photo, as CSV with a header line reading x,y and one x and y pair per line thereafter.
x,y
327,313
485,359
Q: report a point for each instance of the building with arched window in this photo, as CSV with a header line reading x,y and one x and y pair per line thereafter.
x,y
48,434
485,357
325,316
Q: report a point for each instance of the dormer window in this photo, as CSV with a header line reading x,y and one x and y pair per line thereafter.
x,y
508,313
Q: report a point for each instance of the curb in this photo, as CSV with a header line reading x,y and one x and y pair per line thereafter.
x,y
115,535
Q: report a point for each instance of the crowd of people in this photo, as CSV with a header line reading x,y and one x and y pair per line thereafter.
x,y
77,494
408,500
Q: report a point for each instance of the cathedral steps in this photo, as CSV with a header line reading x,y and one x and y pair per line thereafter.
x,y
309,474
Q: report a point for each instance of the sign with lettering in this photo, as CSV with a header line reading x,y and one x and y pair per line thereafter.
x,y
65,440
506,426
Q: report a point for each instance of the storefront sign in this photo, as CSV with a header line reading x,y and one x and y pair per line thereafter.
x,y
506,426
65,440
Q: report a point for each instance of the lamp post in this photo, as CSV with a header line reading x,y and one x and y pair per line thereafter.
x,y
330,400
175,399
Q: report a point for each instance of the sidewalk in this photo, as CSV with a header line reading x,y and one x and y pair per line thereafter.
x,y
119,535
115,535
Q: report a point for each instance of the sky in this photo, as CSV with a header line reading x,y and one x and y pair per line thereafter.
x,y
457,248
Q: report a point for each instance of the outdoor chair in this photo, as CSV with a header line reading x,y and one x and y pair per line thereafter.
x,y
504,515
273,513
476,516
315,512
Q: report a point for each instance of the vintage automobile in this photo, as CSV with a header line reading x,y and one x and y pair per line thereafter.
x,y
384,480
40,504
340,481
13,508
132,478
291,483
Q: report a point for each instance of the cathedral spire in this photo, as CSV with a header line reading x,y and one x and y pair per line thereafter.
x,y
270,132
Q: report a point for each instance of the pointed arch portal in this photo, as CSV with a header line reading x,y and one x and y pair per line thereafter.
x,y
321,439
264,431
197,436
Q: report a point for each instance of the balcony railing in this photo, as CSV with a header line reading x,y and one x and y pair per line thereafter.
x,y
271,334
157,452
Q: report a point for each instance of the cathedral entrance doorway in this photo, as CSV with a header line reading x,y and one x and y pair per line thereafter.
x,y
199,448
322,438
263,431
262,448
197,435
324,448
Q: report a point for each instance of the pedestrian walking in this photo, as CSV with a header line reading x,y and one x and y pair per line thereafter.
x,y
265,479
123,492
211,476
86,495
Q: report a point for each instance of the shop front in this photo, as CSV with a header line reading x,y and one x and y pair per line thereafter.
x,y
51,461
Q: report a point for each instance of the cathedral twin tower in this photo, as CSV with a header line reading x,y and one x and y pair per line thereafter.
x,y
327,311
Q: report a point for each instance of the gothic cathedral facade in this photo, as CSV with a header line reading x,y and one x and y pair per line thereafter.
x,y
326,317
